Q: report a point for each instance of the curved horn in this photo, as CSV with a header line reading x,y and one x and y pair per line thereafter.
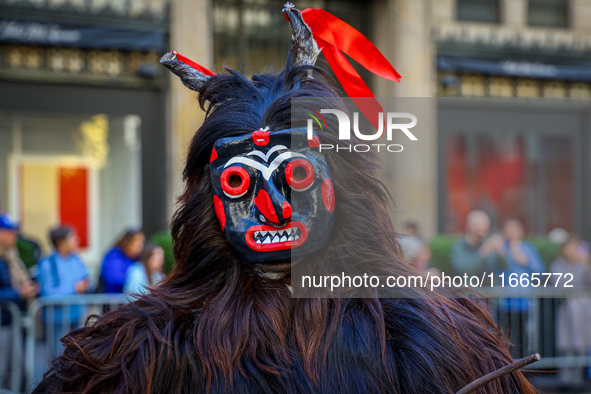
x,y
191,78
304,49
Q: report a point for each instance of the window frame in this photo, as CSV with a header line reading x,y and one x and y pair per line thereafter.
x,y
497,4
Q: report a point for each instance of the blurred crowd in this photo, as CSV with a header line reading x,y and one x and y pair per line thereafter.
x,y
130,266
480,250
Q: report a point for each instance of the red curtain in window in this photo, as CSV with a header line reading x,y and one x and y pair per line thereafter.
x,y
491,177
73,201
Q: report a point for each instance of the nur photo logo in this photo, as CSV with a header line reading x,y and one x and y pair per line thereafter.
x,y
393,123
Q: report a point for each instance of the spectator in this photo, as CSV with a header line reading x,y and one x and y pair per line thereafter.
x,y
412,228
147,272
522,258
15,286
418,254
118,259
476,252
62,273
573,337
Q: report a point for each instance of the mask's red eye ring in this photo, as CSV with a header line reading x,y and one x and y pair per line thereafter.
x,y
235,182
299,174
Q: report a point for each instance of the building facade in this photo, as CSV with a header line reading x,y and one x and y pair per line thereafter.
x,y
91,122
82,127
512,127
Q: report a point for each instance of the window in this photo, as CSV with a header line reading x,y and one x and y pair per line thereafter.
x,y
547,13
479,10
525,176
66,168
512,161
253,36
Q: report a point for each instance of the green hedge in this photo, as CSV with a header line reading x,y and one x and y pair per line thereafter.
x,y
28,250
547,249
441,250
164,239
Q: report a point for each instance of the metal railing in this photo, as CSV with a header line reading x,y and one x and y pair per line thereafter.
x,y
532,327
53,317
16,351
531,330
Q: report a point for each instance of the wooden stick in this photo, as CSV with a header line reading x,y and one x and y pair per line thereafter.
x,y
475,385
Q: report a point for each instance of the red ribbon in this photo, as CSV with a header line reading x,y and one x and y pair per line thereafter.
x,y
191,63
336,37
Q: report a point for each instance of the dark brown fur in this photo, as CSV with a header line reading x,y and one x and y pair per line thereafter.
x,y
216,325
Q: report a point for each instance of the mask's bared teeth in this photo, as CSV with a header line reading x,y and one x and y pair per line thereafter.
x,y
257,234
272,233
288,231
290,238
263,233
267,240
283,239
276,239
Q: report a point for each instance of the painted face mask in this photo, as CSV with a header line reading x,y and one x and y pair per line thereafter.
x,y
273,195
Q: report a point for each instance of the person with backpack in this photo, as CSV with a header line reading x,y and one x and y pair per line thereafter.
x,y
63,273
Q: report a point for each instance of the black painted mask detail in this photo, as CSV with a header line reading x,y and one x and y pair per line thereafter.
x,y
273,194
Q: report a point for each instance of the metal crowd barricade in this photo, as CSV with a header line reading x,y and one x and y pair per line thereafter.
x,y
534,329
16,352
51,318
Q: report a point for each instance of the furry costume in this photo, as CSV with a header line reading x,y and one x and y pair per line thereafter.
x,y
219,325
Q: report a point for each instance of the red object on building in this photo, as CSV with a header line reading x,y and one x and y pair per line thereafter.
x,y
73,200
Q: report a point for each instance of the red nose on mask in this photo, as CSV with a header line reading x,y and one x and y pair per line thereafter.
x,y
265,205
